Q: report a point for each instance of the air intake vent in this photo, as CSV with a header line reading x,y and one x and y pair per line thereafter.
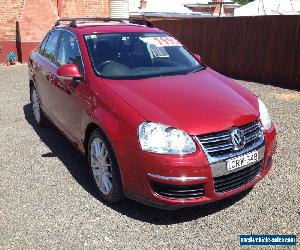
x,y
178,191
237,179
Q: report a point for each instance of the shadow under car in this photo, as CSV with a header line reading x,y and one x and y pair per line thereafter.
x,y
75,162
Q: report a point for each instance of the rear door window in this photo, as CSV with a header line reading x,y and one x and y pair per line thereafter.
x,y
50,48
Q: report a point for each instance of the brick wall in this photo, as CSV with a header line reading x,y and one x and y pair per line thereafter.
x,y
72,8
35,18
54,3
99,8
10,11
86,8
32,26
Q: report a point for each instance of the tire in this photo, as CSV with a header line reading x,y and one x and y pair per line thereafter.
x,y
103,168
37,111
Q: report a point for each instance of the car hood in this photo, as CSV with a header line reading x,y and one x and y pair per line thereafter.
x,y
199,103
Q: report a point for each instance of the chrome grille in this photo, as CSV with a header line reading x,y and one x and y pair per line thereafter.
x,y
220,144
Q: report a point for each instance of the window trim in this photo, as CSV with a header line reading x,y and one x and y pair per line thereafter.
x,y
42,43
61,30
81,58
56,46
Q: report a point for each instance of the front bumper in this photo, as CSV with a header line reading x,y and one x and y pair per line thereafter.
x,y
147,172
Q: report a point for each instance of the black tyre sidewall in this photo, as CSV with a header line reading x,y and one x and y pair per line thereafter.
x,y
42,121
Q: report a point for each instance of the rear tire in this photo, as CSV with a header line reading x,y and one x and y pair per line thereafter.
x,y
37,111
104,168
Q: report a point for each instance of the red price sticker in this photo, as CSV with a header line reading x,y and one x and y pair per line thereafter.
x,y
161,41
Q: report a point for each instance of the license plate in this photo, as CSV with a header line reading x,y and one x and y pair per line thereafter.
x,y
242,160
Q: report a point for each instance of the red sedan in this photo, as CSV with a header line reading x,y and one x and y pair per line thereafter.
x,y
155,123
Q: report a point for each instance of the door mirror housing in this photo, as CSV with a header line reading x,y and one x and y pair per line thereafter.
x,y
69,72
198,58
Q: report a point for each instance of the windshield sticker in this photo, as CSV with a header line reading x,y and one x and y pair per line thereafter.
x,y
158,51
161,41
91,36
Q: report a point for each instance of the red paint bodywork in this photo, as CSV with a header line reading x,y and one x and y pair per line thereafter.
x,y
198,103
69,70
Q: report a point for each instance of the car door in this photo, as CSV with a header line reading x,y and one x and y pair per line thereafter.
x,y
44,65
69,100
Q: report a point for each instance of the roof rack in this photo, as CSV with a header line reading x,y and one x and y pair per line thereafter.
x,y
73,21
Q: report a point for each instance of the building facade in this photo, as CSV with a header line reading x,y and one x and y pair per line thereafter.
x,y
213,7
23,23
158,9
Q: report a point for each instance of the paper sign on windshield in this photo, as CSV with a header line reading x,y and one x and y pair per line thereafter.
x,y
157,45
161,41
158,51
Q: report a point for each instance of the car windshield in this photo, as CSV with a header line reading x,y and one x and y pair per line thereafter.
x,y
139,55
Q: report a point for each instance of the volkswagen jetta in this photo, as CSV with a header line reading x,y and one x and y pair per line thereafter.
x,y
155,123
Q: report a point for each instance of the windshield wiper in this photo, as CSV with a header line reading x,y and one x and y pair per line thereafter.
x,y
197,69
194,70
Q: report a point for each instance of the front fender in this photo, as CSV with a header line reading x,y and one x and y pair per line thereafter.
x,y
121,134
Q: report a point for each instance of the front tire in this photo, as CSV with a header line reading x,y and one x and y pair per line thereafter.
x,y
36,108
103,168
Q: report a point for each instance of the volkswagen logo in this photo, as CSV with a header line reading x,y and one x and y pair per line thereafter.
x,y
237,138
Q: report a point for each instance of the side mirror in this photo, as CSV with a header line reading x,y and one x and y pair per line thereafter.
x,y
198,58
69,72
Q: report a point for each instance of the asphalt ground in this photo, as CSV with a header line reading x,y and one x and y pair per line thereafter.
x,y
48,202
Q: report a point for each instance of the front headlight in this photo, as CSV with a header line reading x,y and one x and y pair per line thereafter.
x,y
265,118
162,139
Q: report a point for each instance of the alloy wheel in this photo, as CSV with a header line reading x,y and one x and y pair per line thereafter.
x,y
101,166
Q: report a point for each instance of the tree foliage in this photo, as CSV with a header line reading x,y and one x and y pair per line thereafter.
x,y
243,2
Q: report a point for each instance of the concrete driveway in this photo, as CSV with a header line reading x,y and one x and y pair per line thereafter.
x,y
47,200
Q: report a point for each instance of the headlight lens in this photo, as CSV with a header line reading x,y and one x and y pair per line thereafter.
x,y
265,118
162,139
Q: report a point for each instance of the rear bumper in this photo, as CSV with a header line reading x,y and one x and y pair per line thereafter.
x,y
193,172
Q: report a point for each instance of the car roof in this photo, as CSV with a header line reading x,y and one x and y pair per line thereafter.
x,y
109,27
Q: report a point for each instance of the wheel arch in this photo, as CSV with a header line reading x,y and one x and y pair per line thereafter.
x,y
89,129
106,122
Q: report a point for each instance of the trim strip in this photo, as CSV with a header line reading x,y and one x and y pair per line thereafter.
x,y
183,178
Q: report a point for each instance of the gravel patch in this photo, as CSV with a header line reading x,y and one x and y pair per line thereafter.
x,y
47,200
